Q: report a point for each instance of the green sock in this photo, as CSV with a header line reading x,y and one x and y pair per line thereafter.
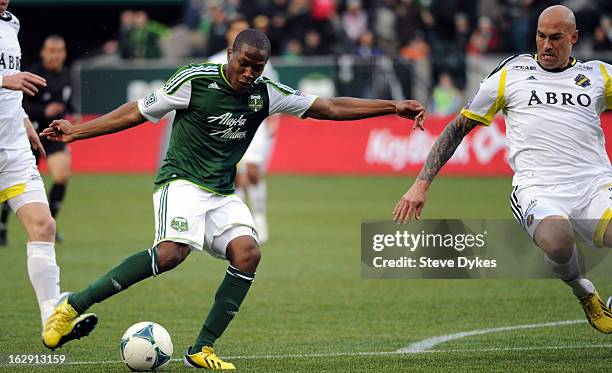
x,y
132,270
229,297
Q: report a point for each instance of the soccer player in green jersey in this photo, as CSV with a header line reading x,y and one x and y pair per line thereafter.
x,y
218,109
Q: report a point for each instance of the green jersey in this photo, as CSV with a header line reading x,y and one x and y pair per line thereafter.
x,y
214,124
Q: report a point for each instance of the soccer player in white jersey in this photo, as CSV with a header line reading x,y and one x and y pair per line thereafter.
x,y
20,181
251,185
562,175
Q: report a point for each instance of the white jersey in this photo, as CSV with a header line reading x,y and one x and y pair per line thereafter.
x,y
553,129
12,115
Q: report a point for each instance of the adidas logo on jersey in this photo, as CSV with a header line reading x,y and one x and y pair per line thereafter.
x,y
214,85
531,78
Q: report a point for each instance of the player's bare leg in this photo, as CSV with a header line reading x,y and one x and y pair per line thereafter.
x,y
555,236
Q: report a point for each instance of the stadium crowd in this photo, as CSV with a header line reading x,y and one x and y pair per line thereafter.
x,y
411,28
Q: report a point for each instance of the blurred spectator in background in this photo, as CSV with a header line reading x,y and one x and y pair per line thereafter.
x,y
354,20
293,51
276,34
603,35
409,20
139,36
214,28
416,49
484,39
385,25
126,25
194,10
313,45
366,46
519,18
298,19
446,98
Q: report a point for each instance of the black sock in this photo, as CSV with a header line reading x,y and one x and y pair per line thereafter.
x,y
56,197
6,210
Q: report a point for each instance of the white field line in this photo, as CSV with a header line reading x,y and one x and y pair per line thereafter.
x,y
414,348
428,344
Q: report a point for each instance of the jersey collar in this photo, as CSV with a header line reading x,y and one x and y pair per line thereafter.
x,y
557,70
222,68
6,16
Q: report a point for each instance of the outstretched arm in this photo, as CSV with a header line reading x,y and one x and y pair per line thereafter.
x,y
126,116
413,201
349,108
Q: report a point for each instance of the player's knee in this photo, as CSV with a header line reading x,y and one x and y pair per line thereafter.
x,y
62,177
246,257
170,255
558,248
43,228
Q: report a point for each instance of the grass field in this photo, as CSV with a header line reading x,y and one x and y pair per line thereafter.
x,y
309,310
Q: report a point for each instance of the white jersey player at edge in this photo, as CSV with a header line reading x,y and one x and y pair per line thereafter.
x,y
20,181
562,182
251,185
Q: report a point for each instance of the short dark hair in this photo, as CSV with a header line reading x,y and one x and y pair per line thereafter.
x,y
254,38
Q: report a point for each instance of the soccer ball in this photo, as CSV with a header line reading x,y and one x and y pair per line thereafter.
x,y
146,346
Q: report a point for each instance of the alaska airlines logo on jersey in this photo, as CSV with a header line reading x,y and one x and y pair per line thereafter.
x,y
10,62
234,125
256,102
582,81
562,98
523,67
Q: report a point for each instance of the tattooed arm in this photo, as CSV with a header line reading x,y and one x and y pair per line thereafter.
x,y
413,201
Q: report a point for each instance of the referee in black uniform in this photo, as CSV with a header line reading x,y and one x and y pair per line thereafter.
x,y
50,103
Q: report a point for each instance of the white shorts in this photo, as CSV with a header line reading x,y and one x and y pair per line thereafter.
x,y
188,214
586,204
258,151
20,181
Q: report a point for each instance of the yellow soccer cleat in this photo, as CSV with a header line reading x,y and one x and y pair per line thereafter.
x,y
206,359
65,324
598,314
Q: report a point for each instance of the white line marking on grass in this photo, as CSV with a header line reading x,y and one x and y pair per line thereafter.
x,y
423,346
348,354
428,344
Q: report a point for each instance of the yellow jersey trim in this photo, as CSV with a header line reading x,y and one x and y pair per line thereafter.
x,y
473,116
500,102
608,85
12,192
602,225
